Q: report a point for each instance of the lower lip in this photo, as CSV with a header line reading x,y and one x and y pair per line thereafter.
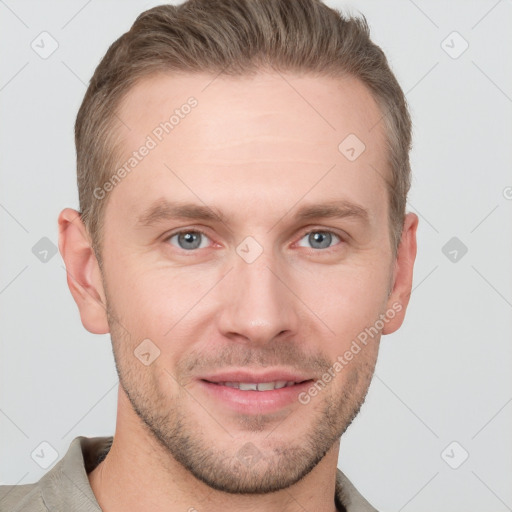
x,y
255,402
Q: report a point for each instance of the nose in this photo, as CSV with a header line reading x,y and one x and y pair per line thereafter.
x,y
257,304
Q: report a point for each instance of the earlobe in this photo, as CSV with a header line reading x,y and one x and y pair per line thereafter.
x,y
83,272
403,274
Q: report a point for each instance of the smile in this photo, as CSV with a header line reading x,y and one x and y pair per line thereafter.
x,y
249,397
257,386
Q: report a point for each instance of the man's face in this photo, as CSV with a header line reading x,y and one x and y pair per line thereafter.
x,y
264,294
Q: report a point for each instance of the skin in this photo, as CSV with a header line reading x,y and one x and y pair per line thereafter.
x,y
254,149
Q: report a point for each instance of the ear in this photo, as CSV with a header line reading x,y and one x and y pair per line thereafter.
x,y
83,272
402,274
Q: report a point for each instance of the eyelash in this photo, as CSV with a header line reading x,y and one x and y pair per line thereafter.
x,y
316,230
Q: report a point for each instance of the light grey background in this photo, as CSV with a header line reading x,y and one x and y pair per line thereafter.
x,y
443,377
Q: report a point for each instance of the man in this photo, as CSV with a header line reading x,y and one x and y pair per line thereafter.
x,y
243,170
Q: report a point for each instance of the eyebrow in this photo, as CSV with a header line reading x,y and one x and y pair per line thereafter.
x,y
334,209
163,210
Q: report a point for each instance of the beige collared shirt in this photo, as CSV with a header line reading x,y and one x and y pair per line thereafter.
x,y
66,488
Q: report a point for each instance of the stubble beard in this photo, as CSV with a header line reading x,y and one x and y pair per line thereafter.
x,y
271,467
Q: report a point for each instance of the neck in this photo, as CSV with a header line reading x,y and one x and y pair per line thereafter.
x,y
138,473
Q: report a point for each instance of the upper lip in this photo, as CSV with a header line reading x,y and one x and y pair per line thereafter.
x,y
252,377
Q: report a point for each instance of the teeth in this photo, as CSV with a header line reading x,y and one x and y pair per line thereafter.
x,y
247,386
260,386
266,386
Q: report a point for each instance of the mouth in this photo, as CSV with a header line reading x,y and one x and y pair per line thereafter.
x,y
259,386
247,393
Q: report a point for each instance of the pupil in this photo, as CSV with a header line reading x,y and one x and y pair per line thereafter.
x,y
320,238
191,240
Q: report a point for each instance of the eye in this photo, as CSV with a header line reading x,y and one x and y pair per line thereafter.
x,y
319,239
189,240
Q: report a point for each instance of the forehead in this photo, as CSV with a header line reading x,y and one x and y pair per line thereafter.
x,y
271,134
326,107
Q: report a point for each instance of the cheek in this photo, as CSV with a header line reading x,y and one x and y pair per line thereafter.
x,y
142,303
157,306
346,299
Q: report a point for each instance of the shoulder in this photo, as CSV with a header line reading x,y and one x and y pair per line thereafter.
x,y
25,497
349,497
65,486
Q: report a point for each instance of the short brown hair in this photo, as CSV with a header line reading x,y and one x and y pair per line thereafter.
x,y
236,37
